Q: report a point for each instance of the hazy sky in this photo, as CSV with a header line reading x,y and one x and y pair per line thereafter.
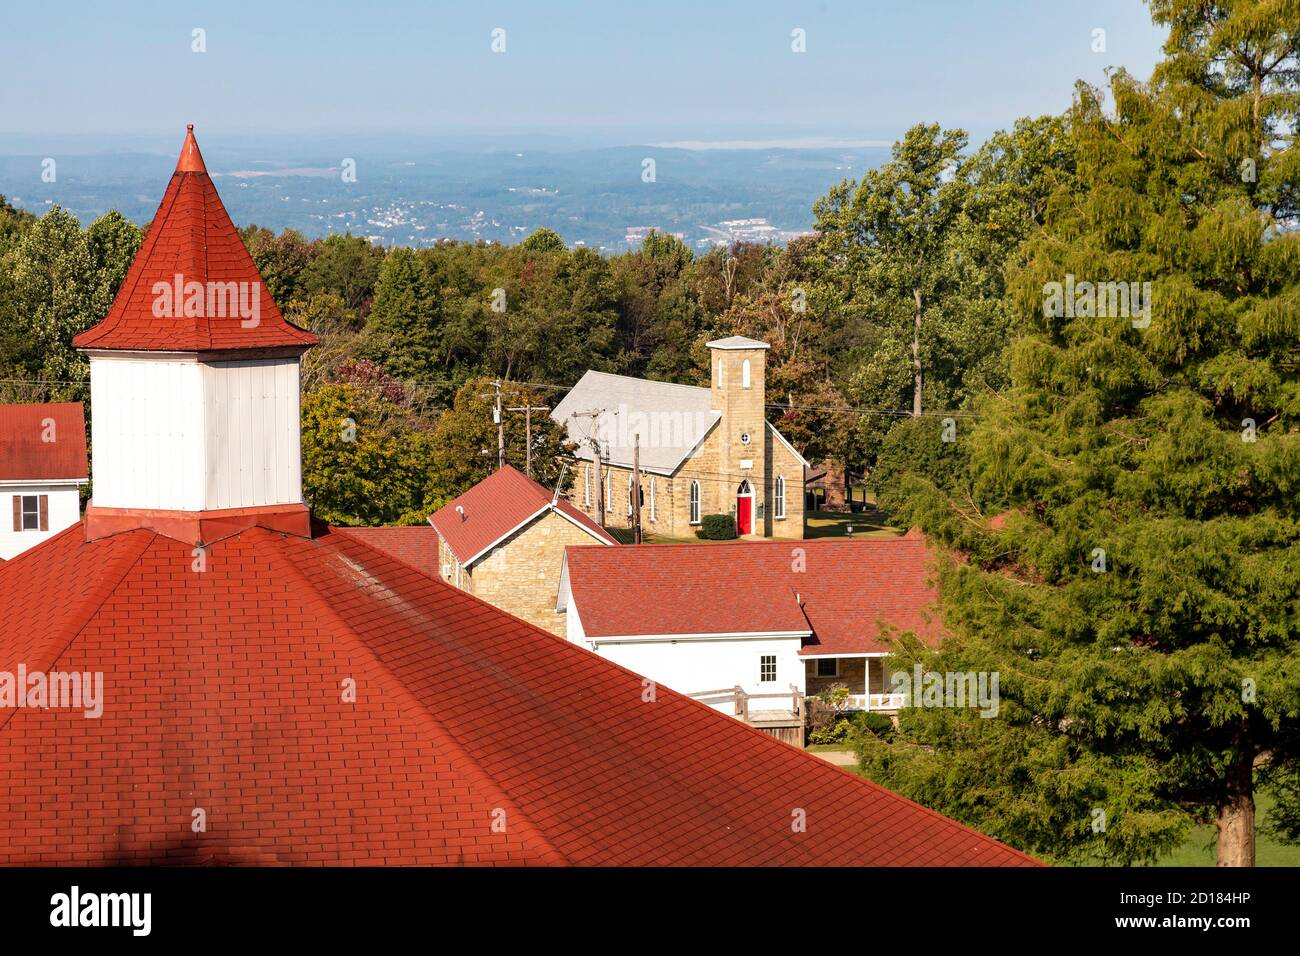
x,y
658,69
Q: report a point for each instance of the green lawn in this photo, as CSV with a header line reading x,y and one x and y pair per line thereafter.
x,y
864,524
818,524
1198,850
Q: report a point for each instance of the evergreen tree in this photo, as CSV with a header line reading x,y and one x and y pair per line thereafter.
x,y
1138,590
402,332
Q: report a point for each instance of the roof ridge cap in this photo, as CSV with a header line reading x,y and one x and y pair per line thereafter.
x,y
205,325
652,381
84,609
444,736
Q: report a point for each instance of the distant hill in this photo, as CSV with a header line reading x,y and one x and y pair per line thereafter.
x,y
593,196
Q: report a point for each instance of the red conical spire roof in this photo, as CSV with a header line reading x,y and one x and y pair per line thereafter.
x,y
191,160
193,287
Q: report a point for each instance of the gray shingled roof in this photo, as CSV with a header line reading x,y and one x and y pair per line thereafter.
x,y
671,419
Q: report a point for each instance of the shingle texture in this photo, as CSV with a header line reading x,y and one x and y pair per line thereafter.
x,y
224,691
416,545
497,505
848,593
191,236
43,442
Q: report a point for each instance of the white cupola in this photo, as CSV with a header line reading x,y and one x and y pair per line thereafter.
x,y
194,380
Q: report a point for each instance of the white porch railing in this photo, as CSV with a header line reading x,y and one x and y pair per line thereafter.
x,y
876,701
740,698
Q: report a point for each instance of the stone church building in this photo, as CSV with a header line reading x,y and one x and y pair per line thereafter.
x,y
702,450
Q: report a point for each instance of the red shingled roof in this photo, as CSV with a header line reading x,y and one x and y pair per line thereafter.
x,y
191,236
415,545
222,692
496,506
25,454
852,591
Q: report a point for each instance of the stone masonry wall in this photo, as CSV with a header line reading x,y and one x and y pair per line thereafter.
x,y
521,575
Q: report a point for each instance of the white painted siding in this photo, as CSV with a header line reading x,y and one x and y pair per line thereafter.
x,y
147,433
64,509
175,434
254,452
573,622
690,665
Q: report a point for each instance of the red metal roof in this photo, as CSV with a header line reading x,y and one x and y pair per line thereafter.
x,y
222,692
852,591
192,236
496,506
25,452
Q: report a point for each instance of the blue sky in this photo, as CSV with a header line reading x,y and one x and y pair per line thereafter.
x,y
615,70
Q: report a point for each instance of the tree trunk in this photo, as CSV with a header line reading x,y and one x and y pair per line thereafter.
x,y
916,355
1236,822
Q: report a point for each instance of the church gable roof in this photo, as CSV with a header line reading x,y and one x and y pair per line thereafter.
x,y
671,419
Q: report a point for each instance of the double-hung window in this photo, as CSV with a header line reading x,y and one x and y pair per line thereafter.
x,y
31,512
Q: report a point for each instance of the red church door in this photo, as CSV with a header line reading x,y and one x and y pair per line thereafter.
x,y
744,509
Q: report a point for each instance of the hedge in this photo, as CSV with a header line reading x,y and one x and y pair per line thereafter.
x,y
717,528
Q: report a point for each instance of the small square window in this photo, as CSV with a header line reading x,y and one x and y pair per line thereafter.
x,y
31,512
767,669
828,667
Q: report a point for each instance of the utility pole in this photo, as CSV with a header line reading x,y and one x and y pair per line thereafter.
x,y
528,431
499,420
636,489
501,428
602,483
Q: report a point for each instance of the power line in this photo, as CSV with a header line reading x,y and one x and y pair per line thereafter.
x,y
427,385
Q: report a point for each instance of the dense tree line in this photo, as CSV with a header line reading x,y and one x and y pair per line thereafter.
x,y
439,324
1126,507
1112,493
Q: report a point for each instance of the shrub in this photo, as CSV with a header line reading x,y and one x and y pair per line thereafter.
x,y
833,733
882,725
827,722
717,528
